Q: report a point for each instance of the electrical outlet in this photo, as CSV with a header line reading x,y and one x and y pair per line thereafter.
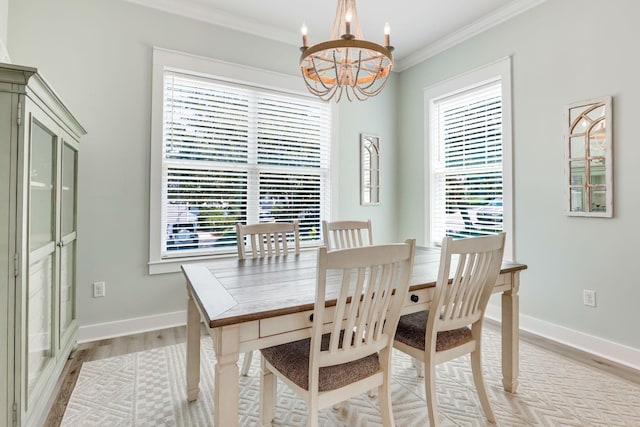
x,y
589,298
99,289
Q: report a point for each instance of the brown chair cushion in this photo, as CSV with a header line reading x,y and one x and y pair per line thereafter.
x,y
292,360
412,328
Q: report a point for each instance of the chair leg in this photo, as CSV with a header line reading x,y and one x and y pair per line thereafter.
x,y
476,368
430,390
313,415
246,364
386,410
419,367
384,390
268,394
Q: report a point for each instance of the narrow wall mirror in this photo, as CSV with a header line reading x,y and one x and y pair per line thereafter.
x,y
369,169
588,165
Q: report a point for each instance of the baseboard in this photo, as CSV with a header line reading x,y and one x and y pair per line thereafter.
x,y
120,328
609,350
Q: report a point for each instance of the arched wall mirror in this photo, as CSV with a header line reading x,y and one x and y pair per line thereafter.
x,y
589,160
369,169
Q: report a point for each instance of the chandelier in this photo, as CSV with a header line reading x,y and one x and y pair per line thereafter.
x,y
346,63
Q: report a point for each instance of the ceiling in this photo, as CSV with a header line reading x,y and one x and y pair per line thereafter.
x,y
419,28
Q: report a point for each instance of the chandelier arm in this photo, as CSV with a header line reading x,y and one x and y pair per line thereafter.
x,y
335,68
317,73
379,89
359,62
315,70
379,69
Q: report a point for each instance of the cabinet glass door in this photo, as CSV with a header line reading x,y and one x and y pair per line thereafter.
x,y
41,251
68,229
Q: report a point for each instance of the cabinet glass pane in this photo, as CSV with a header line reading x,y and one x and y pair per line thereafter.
x,y
39,318
41,187
67,278
68,189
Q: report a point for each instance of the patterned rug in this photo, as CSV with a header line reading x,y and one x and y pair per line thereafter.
x,y
148,389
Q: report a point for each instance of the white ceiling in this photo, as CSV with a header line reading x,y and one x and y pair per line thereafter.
x,y
419,28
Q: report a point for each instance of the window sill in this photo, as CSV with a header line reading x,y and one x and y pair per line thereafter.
x,y
172,265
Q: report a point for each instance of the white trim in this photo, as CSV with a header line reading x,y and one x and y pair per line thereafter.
x,y
485,23
198,10
4,53
120,328
618,353
499,69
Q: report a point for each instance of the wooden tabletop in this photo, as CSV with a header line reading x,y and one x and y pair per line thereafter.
x,y
230,291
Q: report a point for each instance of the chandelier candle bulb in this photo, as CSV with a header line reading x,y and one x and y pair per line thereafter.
x,y
387,31
347,22
305,40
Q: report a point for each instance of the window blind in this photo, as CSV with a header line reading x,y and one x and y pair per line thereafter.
x,y
466,163
233,153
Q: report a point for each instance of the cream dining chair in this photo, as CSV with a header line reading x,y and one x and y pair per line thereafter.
x,y
266,240
349,351
453,325
346,234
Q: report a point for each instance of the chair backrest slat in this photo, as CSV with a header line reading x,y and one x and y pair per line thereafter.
x,y
367,309
268,239
346,234
461,300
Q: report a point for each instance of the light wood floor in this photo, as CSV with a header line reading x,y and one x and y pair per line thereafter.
x,y
130,344
104,349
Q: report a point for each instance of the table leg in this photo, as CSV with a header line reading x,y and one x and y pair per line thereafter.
x,y
193,350
226,341
511,335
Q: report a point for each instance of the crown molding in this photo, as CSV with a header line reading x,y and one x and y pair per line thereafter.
x,y
488,21
199,11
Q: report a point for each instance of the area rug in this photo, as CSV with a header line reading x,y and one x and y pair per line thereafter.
x,y
148,389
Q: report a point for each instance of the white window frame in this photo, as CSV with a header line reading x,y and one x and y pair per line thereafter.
x,y
163,60
499,70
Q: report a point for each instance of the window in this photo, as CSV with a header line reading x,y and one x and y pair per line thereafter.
x,y
470,154
235,152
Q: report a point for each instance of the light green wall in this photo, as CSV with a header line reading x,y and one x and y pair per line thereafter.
x,y
563,51
4,19
97,55
375,116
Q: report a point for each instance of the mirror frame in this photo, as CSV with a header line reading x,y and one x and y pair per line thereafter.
x,y
369,169
582,132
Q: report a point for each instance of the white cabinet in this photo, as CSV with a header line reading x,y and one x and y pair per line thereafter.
x,y
39,139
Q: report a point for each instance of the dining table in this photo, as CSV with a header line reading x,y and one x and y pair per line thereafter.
x,y
253,303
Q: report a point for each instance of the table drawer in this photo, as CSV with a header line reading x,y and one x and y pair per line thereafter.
x,y
290,322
